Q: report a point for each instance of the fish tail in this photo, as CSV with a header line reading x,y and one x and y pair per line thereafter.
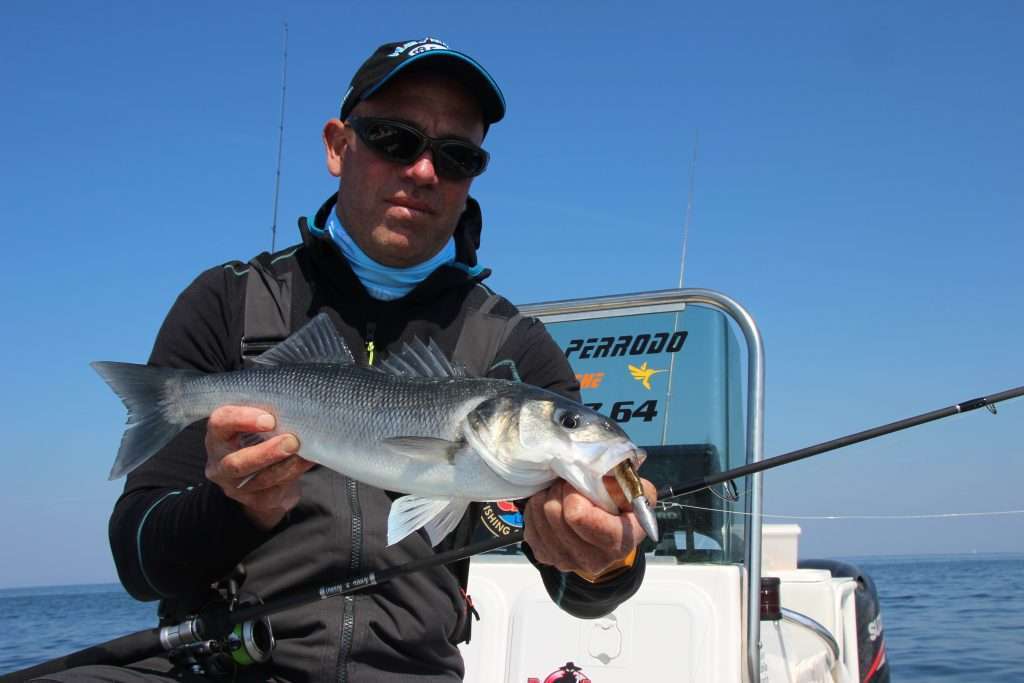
x,y
153,418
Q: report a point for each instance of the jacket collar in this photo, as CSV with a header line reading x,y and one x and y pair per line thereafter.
x,y
334,267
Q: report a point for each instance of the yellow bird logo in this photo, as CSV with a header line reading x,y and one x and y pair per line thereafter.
x,y
643,374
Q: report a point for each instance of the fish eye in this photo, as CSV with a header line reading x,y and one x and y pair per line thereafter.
x,y
569,420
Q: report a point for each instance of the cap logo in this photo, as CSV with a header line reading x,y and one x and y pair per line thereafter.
x,y
416,47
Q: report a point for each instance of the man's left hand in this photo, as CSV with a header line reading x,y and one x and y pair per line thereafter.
x,y
565,530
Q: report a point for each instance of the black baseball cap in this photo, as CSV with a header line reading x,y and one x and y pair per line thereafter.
x,y
390,58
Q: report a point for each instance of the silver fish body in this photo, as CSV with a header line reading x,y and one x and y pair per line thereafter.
x,y
416,425
343,416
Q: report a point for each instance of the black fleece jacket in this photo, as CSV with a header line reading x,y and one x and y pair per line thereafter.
x,y
173,533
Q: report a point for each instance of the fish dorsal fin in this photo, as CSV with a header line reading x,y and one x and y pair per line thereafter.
x,y
417,359
317,341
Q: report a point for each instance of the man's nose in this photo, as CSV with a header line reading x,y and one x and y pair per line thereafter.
x,y
422,171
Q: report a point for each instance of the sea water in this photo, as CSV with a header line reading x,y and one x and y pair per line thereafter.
x,y
37,624
952,617
947,618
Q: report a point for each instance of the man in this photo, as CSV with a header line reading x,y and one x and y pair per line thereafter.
x,y
390,258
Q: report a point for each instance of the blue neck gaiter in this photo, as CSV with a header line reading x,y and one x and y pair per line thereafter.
x,y
384,282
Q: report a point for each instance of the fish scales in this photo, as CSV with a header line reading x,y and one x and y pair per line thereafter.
x,y
342,414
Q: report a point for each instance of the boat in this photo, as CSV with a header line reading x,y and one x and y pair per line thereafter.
x,y
726,598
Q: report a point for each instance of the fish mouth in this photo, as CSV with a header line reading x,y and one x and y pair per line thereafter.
x,y
619,453
638,458
587,476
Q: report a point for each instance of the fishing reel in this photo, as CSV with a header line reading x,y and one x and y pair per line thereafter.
x,y
210,644
248,643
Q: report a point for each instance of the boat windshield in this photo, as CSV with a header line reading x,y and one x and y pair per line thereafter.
x,y
669,377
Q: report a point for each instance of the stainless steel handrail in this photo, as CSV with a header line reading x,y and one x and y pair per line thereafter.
x,y
675,299
672,299
807,622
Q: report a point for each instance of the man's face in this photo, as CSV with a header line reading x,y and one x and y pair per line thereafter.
x,y
402,215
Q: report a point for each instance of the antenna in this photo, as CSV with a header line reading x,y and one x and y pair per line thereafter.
x,y
682,267
689,208
280,141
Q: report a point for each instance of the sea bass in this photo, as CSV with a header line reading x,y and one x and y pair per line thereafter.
x,y
415,425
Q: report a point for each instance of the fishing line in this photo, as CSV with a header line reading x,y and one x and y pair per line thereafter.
x,y
719,496
927,515
218,624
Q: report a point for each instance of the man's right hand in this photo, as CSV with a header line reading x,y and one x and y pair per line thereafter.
x,y
275,490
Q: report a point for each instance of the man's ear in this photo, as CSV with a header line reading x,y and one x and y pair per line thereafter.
x,y
336,137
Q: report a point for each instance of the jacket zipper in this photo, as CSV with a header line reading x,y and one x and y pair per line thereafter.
x,y
348,619
371,329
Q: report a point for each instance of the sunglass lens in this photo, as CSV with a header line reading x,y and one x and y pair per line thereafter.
x,y
397,143
465,160
404,144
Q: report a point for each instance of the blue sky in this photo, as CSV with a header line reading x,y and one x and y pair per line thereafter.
x,y
858,189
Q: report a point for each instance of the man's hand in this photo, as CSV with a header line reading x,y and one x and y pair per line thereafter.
x,y
565,530
275,490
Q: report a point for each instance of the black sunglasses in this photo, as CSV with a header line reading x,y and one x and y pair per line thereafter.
x,y
402,143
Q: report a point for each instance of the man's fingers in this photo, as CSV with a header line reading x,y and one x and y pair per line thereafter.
x,y
244,462
533,525
567,531
553,538
237,453
616,534
280,472
537,532
578,511
615,491
597,527
227,422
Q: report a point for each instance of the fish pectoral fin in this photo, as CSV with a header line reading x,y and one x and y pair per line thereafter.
x,y
437,516
425,448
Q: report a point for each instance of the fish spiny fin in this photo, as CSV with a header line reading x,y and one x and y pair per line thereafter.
x,y
437,516
397,366
437,353
421,360
317,341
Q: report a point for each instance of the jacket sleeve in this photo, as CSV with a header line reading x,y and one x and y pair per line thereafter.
x,y
538,360
172,533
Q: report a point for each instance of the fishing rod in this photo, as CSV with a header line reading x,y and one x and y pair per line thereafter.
x,y
240,634
280,140
243,632
700,483
221,625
